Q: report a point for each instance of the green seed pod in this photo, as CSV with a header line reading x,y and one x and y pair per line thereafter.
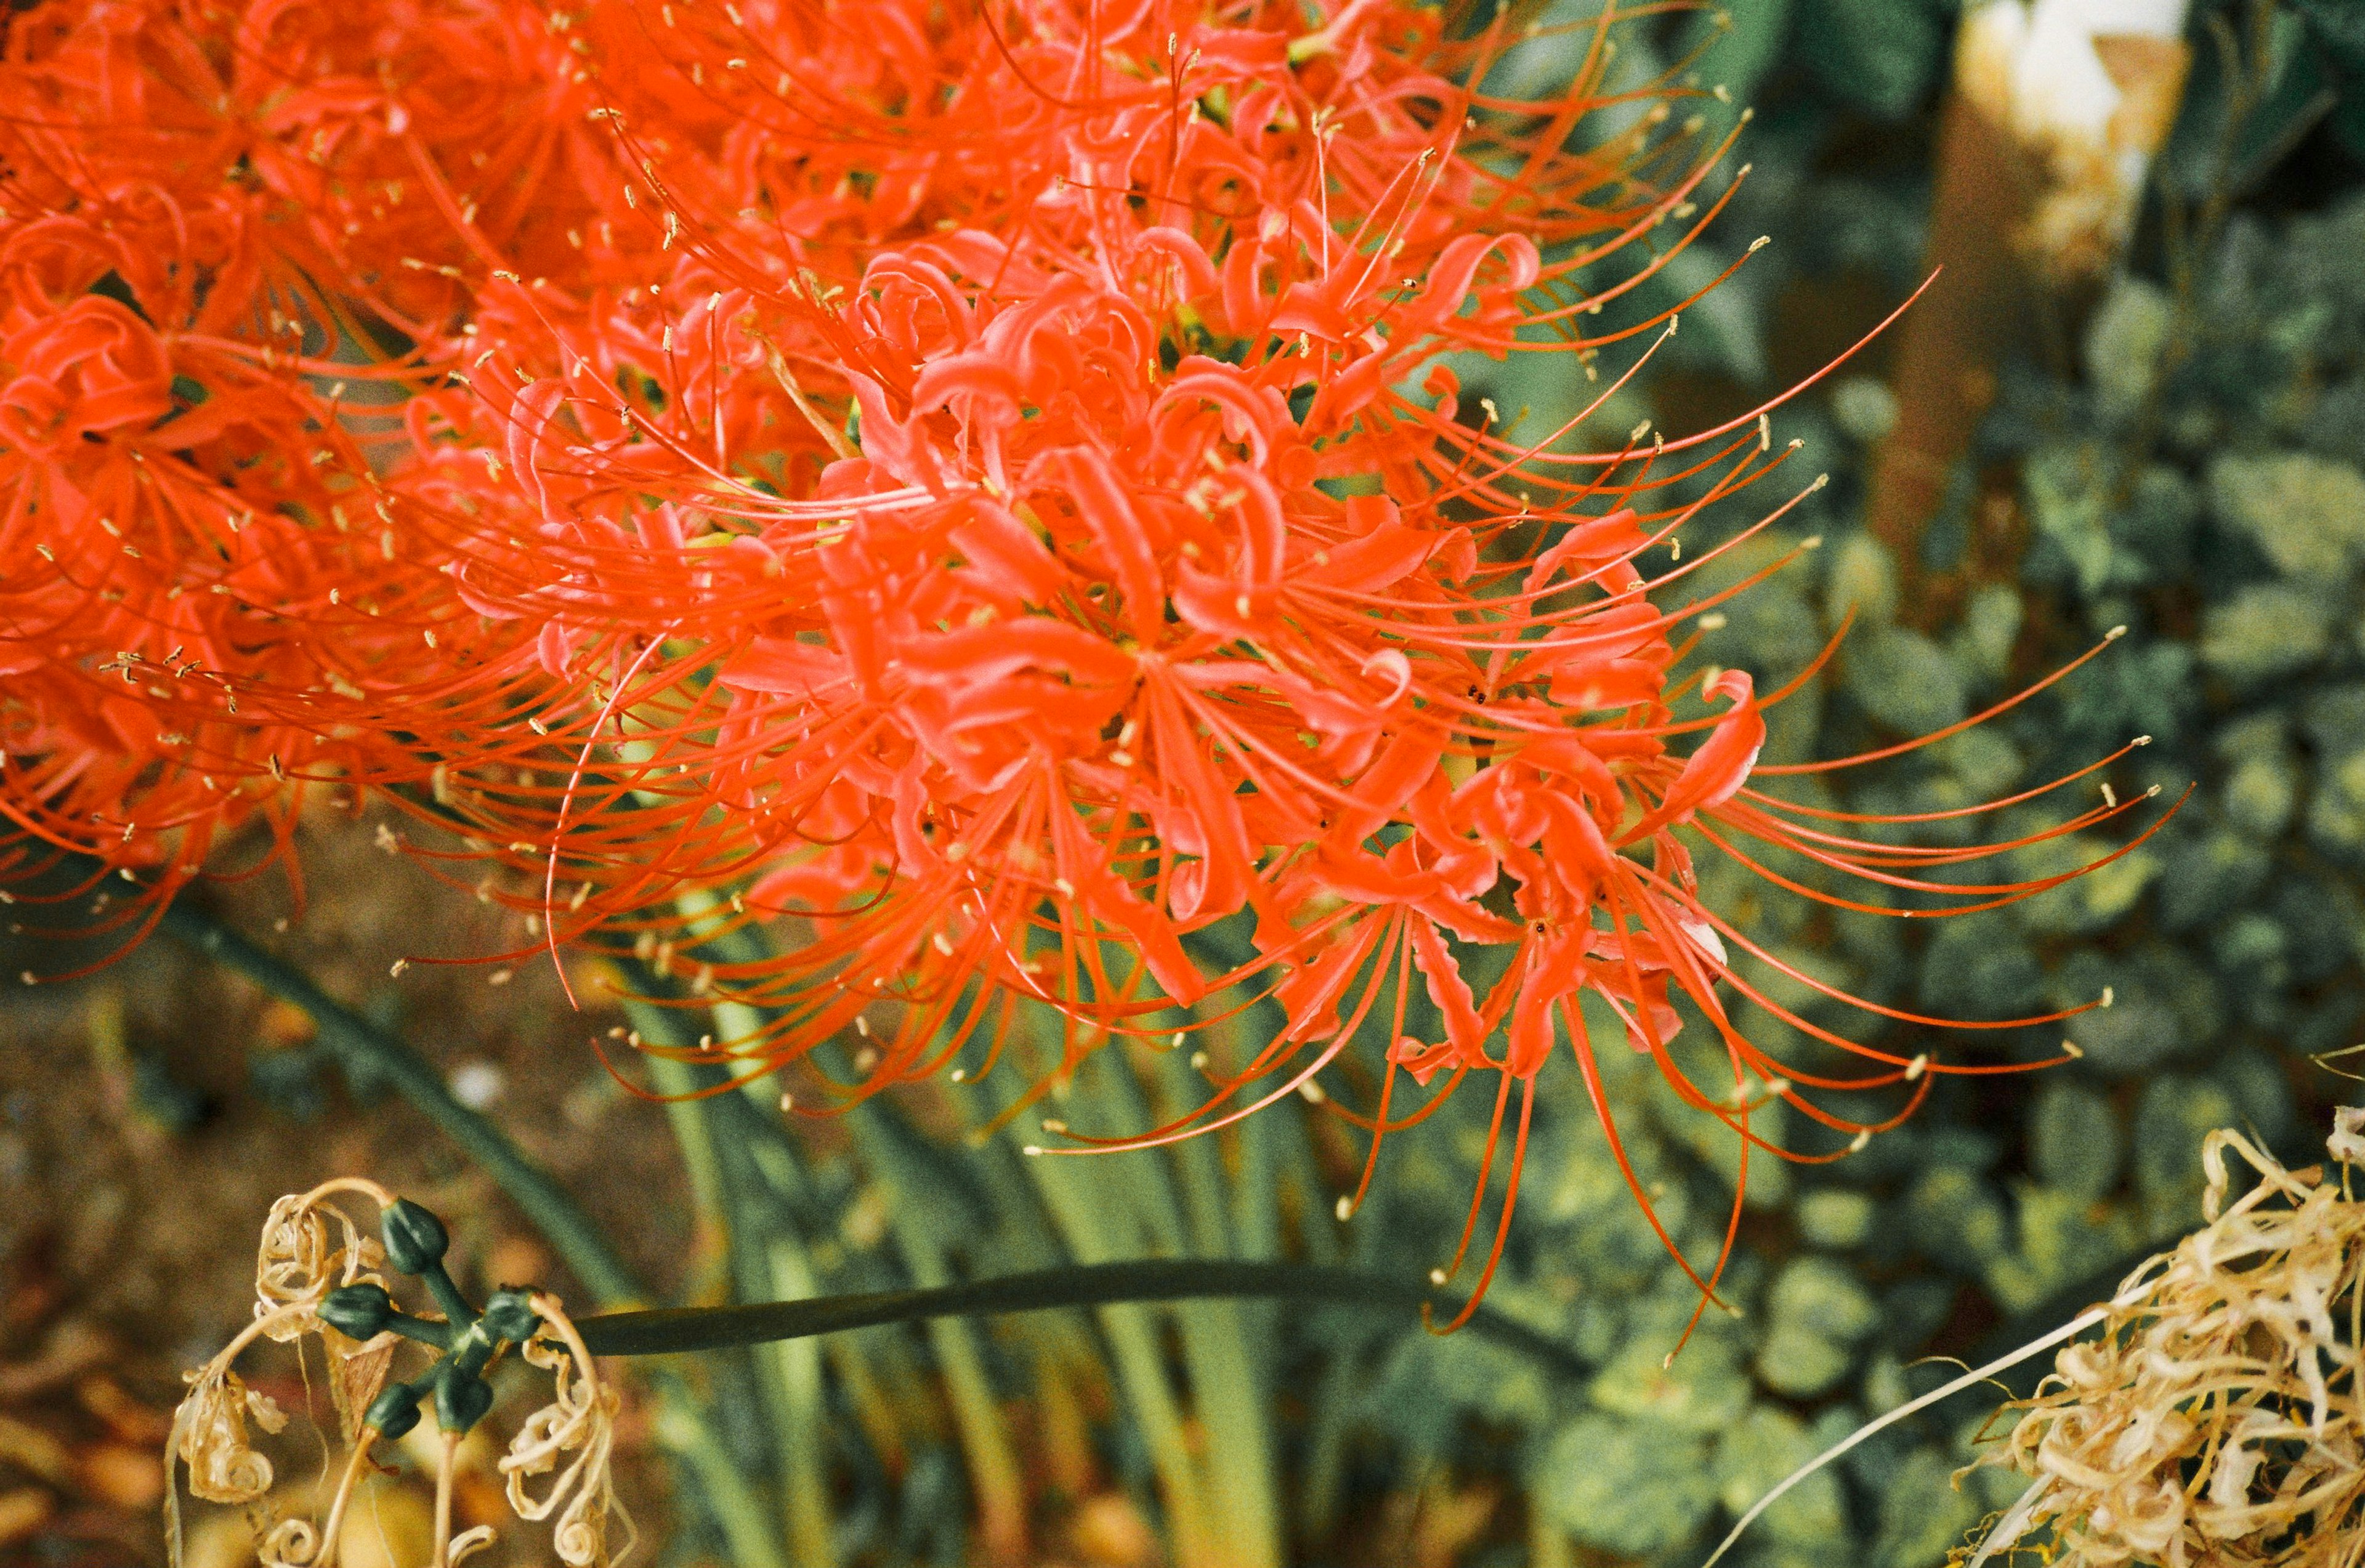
x,y
358,1311
509,1315
461,1400
395,1411
415,1240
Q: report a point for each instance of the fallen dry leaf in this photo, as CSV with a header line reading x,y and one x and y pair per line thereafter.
x,y
30,1449
73,1348
120,1474
124,1417
22,1512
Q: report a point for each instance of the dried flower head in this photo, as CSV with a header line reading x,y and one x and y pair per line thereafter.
x,y
581,1421
311,1249
210,1436
2219,1418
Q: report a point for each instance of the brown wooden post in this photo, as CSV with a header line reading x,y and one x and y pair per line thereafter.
x,y
2054,112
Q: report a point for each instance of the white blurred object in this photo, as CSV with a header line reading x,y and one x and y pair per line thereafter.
x,y
477,1084
2088,89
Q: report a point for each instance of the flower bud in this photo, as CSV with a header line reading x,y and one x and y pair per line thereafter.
x,y
358,1311
461,1400
509,1315
415,1240
395,1411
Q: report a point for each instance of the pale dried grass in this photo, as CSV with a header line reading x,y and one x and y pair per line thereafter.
x,y
2217,1420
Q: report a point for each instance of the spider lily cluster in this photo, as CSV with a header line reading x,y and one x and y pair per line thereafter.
x,y
981,490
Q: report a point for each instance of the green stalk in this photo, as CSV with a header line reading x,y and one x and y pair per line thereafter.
x,y
772,1261
357,1042
800,1414
992,1462
1102,1220
1228,1385
994,1467
1076,1205
687,1435
767,1262
662,1331
1325,1469
678,1081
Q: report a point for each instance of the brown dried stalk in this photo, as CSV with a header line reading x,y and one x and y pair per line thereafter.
x,y
2042,149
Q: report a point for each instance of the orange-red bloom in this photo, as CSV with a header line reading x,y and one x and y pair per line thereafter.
x,y
982,489
218,578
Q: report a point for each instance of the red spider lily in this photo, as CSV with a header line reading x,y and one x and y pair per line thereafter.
x,y
196,516
978,487
1011,583
150,551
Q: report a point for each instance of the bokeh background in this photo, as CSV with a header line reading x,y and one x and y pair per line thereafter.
x,y
2170,438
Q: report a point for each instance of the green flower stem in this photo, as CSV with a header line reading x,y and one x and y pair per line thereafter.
x,y
800,1414
747,1532
675,1331
687,1116
1220,1346
793,1387
767,1260
995,1471
1099,1218
358,1042
1325,1466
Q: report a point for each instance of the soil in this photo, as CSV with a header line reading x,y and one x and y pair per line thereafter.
x,y
151,1111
